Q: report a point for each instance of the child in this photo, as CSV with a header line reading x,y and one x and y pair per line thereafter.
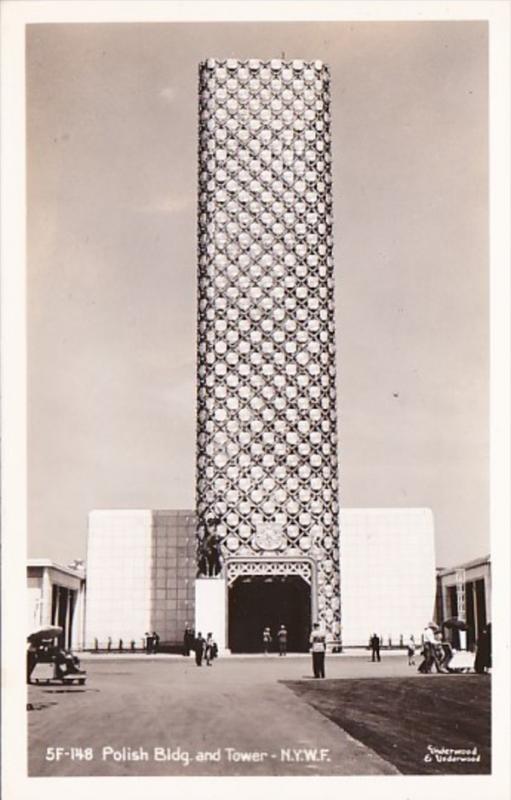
x,y
410,646
266,640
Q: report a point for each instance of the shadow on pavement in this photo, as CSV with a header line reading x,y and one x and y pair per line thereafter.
x,y
39,706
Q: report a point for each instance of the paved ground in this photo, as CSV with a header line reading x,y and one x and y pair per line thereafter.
x,y
135,705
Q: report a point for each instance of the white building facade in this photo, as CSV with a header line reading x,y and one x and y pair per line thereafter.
x,y
141,569
56,596
387,573
464,592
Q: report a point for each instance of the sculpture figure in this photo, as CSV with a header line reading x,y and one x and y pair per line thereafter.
x,y
209,557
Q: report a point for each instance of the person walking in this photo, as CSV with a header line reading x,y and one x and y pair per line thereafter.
x,y
410,646
266,640
210,649
318,648
482,661
188,640
156,642
441,654
375,647
199,646
282,639
428,648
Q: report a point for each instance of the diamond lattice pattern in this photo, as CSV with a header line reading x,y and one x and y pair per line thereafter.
x,y
267,441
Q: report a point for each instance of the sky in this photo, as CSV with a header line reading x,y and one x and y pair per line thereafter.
x,y
111,275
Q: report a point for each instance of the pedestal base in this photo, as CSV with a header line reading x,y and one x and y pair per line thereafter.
x,y
211,609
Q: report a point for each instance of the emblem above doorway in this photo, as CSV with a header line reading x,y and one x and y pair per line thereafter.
x,y
269,537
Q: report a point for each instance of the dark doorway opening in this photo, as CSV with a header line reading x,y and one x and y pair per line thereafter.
x,y
259,602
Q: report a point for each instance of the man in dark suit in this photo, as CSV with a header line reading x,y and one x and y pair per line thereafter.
x,y
188,640
199,646
375,647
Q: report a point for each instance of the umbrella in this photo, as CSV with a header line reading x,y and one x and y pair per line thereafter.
x,y
455,623
46,632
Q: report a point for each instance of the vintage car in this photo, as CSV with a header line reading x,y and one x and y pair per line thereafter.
x,y
48,662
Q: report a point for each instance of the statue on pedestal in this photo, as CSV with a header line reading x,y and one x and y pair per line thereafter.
x,y
209,558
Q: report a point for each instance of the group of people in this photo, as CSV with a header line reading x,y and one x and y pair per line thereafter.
x,y
317,642
151,642
207,649
375,643
436,652
204,648
281,640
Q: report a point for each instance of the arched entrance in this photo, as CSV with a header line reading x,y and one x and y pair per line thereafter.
x,y
257,602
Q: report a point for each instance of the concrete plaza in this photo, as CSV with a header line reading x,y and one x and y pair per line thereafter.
x,y
161,715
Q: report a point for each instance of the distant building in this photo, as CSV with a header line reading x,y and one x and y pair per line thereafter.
x,y
387,573
464,592
56,596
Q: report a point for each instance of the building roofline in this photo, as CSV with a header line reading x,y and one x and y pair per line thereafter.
x,y
357,509
476,562
388,509
139,511
48,563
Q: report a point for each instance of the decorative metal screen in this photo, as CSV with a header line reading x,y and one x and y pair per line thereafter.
x,y
461,583
267,440
275,568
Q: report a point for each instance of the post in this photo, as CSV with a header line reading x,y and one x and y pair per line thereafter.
x,y
460,598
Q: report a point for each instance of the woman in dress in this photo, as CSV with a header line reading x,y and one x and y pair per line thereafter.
x,y
210,649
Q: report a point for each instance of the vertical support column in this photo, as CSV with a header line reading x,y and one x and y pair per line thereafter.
x,y
46,598
211,609
487,591
75,619
460,596
460,593
474,605
67,627
314,594
78,621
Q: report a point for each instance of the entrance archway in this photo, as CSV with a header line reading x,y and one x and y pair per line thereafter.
x,y
260,601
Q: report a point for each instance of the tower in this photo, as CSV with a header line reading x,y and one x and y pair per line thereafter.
x,y
266,434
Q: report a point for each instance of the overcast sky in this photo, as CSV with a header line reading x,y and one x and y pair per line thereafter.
x,y
112,167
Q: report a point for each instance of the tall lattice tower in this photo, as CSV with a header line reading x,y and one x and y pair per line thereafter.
x,y
267,440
